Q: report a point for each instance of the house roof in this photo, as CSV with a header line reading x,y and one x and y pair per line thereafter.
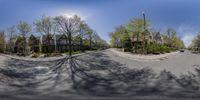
x,y
158,36
38,37
44,37
60,36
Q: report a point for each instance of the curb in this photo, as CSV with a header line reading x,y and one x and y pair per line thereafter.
x,y
48,59
140,58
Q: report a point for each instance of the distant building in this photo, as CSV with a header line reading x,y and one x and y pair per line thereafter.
x,y
158,38
148,36
61,43
19,45
34,43
141,38
46,44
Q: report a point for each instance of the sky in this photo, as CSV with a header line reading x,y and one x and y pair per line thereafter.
x,y
105,15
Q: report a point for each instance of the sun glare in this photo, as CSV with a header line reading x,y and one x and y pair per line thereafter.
x,y
69,14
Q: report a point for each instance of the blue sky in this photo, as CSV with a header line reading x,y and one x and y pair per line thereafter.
x,y
105,15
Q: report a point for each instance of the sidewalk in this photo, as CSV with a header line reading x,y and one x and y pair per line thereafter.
x,y
44,59
141,57
33,59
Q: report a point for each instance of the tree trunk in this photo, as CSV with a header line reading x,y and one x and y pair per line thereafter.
x,y
90,42
55,43
70,45
81,44
48,43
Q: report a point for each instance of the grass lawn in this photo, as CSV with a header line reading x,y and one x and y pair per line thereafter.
x,y
73,53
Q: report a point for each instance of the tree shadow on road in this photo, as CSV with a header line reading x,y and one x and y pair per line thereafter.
x,y
104,77
96,74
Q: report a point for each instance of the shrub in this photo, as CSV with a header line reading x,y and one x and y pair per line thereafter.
x,y
155,48
73,53
52,55
165,49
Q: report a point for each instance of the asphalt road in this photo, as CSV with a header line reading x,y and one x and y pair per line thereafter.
x,y
180,63
98,76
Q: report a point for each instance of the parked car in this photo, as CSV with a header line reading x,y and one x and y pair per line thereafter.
x,y
195,52
182,50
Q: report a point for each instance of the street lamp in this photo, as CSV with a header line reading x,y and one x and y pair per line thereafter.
x,y
143,13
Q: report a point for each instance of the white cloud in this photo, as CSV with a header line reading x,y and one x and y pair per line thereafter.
x,y
188,33
69,13
187,39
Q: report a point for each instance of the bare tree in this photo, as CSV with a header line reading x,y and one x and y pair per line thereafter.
x,y
11,31
88,32
47,28
24,29
96,39
69,26
81,40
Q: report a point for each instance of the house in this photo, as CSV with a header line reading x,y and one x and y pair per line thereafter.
x,y
48,44
140,39
61,43
136,39
34,43
158,38
20,44
148,36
